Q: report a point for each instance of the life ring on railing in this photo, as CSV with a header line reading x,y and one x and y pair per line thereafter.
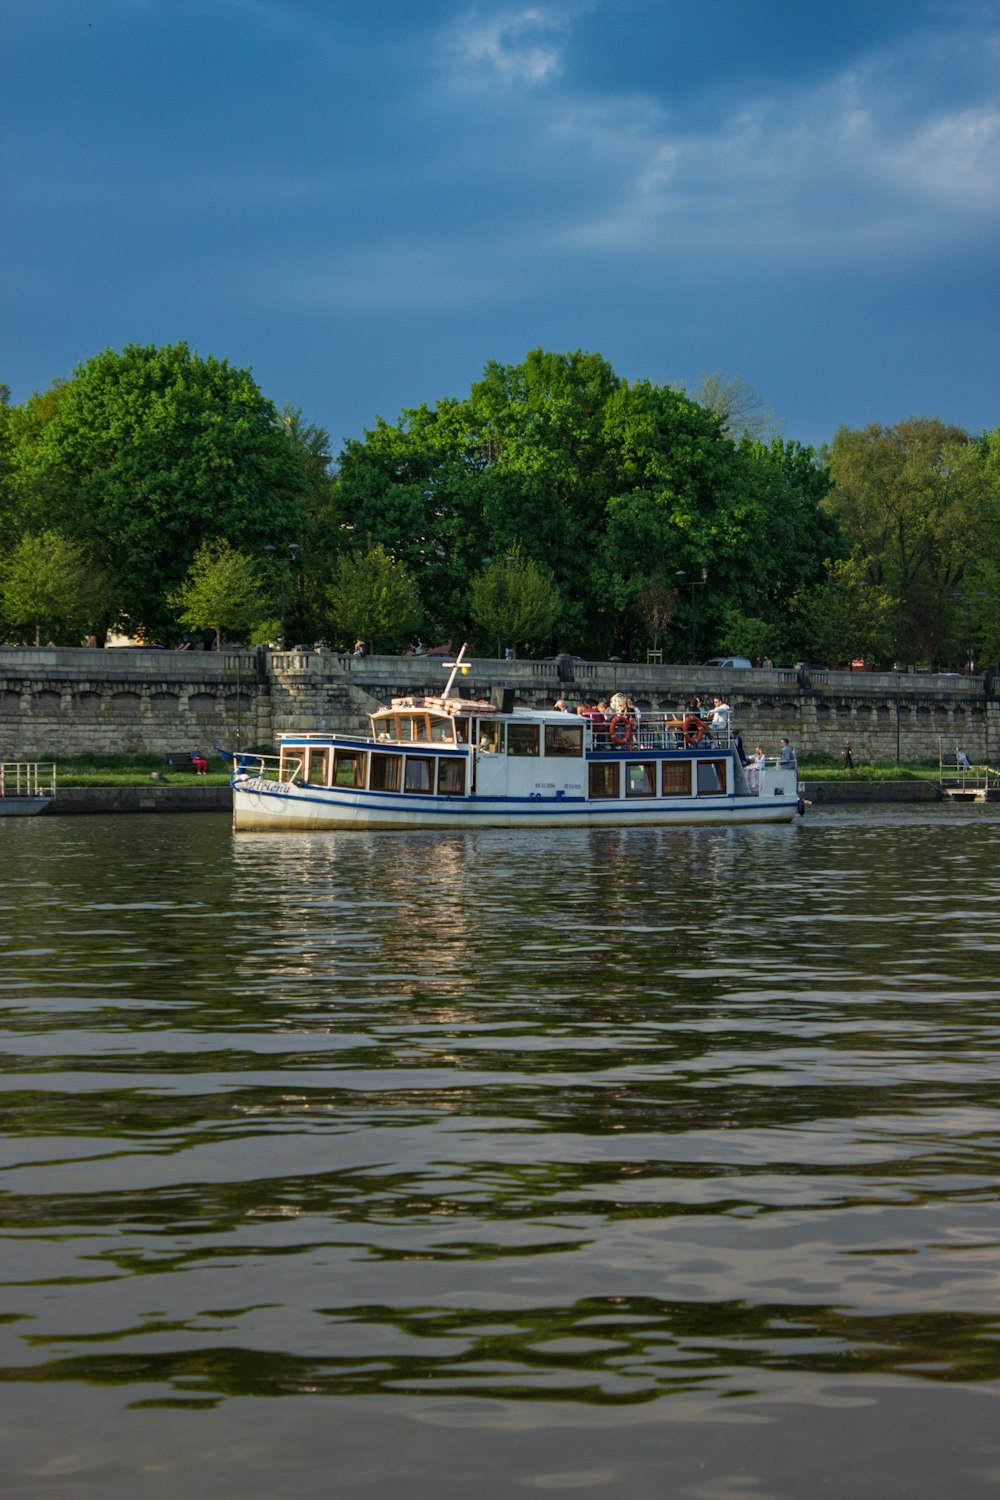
x,y
620,732
693,730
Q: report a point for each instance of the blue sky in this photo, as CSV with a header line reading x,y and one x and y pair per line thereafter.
x,y
366,201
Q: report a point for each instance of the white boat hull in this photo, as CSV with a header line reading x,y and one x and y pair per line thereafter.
x,y
262,805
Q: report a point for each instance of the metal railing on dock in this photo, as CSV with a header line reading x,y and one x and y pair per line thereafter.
x,y
27,778
962,781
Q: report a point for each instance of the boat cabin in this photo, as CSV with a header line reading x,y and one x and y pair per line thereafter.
x,y
456,748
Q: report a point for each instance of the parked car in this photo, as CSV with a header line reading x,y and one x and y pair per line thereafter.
x,y
728,661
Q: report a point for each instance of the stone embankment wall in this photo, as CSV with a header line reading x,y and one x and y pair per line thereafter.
x,y
72,701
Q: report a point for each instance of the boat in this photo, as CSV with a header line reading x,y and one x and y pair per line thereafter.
x,y
26,787
450,761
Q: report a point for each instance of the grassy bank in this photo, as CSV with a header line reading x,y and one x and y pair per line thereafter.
x,y
139,770
134,770
829,768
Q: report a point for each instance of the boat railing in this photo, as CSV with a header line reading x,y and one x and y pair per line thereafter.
x,y
672,729
27,778
266,767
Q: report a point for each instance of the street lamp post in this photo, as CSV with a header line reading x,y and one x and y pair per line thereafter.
x,y
282,561
692,584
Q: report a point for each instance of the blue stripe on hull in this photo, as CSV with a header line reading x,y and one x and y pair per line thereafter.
x,y
302,809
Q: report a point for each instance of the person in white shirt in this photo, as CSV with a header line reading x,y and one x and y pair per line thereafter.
x,y
718,720
755,767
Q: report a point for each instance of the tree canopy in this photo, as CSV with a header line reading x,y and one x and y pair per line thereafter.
x,y
151,451
222,591
47,588
514,601
603,483
918,505
372,597
612,494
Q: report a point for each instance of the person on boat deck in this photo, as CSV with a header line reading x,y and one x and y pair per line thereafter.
x,y
199,762
755,767
786,756
964,763
738,747
595,717
718,719
560,706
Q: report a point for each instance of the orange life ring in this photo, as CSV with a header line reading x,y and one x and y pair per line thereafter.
x,y
694,730
620,732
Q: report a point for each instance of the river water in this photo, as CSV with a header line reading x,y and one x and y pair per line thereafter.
x,y
655,1163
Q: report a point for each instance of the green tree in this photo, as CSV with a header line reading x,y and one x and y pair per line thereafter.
x,y
222,592
153,451
514,601
25,495
975,618
48,589
320,538
915,501
844,617
603,483
373,597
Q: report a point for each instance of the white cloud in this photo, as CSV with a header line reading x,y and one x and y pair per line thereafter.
x,y
868,160
511,46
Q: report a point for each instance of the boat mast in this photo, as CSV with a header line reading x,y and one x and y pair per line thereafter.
x,y
456,665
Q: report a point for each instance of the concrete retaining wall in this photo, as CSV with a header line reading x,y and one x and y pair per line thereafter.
x,y
132,799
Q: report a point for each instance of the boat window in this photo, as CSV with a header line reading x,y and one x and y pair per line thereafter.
x,y
640,778
413,727
317,766
563,740
386,772
711,778
491,736
441,731
522,739
419,774
384,726
349,767
291,763
676,778
451,776
462,731
604,780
